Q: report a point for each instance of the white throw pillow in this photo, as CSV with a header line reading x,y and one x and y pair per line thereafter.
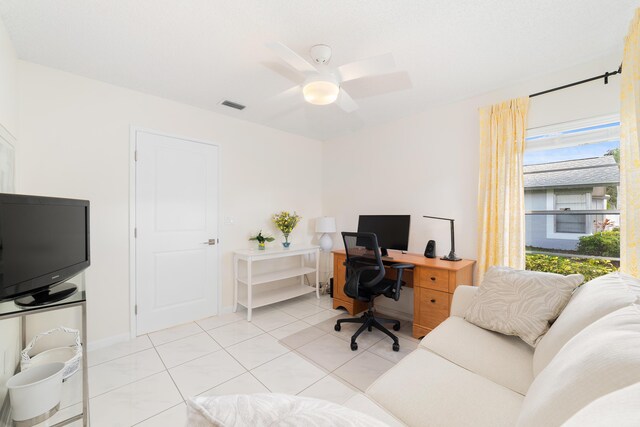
x,y
266,410
590,302
520,302
602,358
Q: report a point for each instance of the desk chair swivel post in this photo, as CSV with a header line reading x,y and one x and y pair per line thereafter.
x,y
365,280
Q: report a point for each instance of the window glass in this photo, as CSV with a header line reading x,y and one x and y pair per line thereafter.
x,y
571,180
570,201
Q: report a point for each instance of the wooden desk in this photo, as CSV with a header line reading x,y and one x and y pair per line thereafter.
x,y
433,281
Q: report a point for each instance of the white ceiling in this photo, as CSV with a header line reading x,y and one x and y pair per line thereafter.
x,y
203,51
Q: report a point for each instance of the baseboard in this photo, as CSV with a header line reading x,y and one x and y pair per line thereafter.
x,y
106,342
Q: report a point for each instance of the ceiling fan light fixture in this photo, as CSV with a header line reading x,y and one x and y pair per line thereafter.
x,y
321,92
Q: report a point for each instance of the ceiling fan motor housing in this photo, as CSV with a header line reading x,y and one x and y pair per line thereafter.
x,y
320,53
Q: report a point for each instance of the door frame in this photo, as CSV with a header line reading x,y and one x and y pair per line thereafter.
x,y
133,286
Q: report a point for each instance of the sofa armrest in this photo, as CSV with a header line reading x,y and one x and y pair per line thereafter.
x,y
461,299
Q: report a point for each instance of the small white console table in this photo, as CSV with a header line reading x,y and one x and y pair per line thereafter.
x,y
261,289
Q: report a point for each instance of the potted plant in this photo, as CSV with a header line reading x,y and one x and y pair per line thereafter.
x,y
262,239
286,222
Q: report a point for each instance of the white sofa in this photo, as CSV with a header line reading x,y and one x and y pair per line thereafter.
x,y
585,370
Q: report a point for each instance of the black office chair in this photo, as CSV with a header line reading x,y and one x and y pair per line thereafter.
x,y
365,281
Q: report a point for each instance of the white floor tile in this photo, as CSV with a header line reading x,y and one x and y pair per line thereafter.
x,y
243,384
328,351
331,389
126,348
314,319
202,374
172,417
135,402
302,337
406,331
363,370
256,351
328,325
383,348
116,373
183,350
172,334
288,374
301,309
289,329
234,333
272,320
365,340
221,320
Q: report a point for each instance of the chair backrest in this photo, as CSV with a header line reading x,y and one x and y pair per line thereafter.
x,y
362,251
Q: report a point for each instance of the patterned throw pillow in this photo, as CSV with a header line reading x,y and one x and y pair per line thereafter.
x,y
520,302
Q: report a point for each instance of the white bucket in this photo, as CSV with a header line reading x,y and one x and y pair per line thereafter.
x,y
36,391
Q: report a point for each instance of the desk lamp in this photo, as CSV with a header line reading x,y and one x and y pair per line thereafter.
x,y
452,254
326,225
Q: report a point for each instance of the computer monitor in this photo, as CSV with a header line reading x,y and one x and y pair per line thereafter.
x,y
392,230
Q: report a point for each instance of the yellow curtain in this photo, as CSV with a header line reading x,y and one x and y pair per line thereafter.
x,y
630,153
501,185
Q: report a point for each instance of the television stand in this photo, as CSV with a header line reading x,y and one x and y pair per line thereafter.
x,y
54,294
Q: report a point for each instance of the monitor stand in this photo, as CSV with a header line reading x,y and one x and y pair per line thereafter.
x,y
384,254
52,294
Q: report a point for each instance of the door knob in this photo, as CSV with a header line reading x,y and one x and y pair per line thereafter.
x,y
210,242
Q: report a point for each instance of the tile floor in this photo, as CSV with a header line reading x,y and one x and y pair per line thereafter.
x,y
290,347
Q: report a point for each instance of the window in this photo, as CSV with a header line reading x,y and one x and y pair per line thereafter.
x,y
571,180
570,201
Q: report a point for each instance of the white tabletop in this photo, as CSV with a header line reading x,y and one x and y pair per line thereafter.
x,y
276,250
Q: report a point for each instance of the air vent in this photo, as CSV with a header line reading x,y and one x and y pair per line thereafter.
x,y
232,104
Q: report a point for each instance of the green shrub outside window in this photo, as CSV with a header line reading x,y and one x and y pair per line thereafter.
x,y
589,268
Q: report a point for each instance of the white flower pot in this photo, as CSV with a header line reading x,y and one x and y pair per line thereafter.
x,y
36,392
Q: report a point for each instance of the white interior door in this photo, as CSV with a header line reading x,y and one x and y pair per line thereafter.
x,y
176,231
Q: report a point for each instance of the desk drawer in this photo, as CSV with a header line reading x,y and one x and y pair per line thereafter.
x,y
434,307
433,278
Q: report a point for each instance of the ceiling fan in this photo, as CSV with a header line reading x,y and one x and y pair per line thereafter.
x,y
323,85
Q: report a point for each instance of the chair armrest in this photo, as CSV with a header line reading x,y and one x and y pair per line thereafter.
x,y
402,266
462,299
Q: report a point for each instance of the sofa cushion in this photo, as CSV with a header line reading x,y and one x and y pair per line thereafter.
x,y
600,359
503,359
520,302
362,403
620,408
589,303
425,389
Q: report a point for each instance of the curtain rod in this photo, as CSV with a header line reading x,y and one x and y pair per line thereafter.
x,y
604,76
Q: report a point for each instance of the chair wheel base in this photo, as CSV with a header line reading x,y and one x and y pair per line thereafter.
x,y
396,327
354,346
396,346
337,327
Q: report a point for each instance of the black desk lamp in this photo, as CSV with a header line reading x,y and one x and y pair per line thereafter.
x,y
452,254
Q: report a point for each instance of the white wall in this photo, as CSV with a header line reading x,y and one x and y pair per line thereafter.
x,y
8,86
75,143
9,329
427,164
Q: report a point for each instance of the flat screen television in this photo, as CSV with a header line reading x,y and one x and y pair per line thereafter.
x,y
392,231
44,241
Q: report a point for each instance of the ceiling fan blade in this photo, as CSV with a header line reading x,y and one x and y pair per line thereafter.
x,y
346,102
367,67
293,59
288,94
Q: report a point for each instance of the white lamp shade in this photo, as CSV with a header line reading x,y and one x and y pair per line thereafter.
x,y
320,92
326,224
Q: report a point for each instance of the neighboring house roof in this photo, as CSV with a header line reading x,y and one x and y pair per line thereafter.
x,y
596,171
